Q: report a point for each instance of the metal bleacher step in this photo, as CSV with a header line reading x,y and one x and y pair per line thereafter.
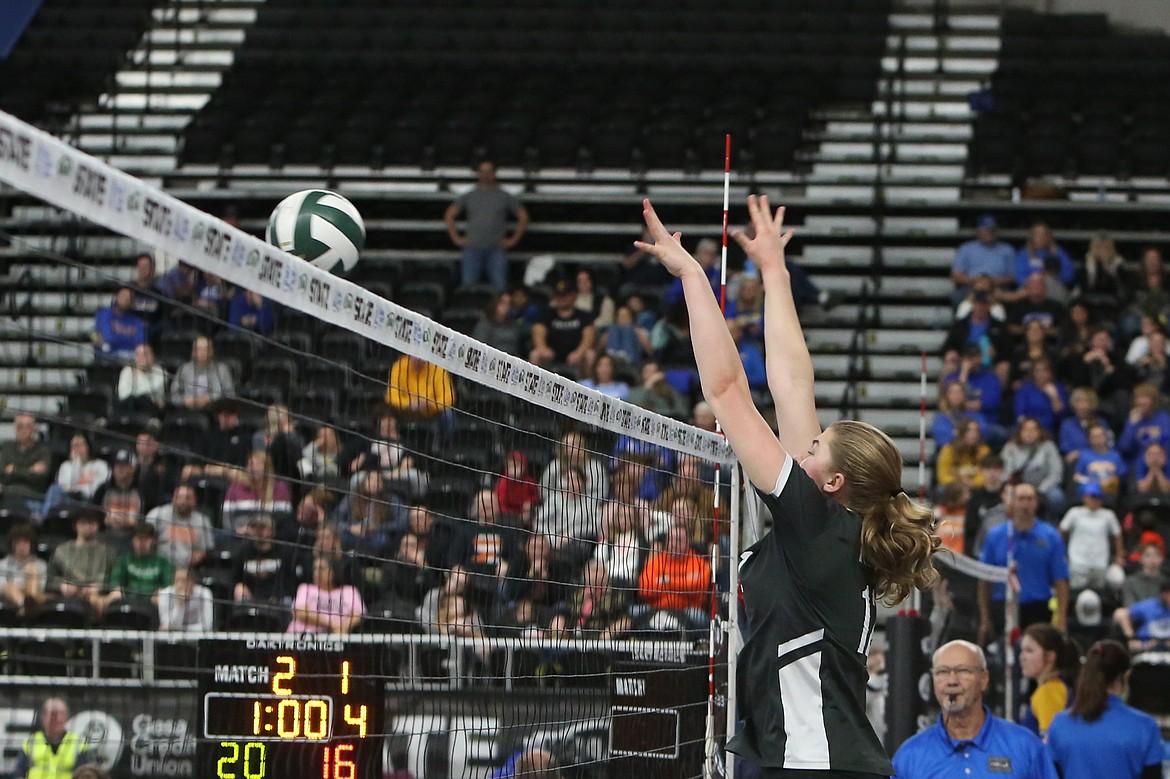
x,y
836,339
38,379
22,351
40,405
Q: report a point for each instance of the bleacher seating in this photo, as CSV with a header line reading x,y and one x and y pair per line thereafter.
x,y
425,85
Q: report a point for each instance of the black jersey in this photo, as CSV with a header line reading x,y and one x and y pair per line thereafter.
x,y
810,612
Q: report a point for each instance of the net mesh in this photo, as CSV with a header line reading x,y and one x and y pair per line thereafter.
x,y
386,545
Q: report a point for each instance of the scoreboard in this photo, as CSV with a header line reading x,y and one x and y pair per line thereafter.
x,y
309,707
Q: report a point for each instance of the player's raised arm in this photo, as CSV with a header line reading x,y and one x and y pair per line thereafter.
x,y
724,383
790,370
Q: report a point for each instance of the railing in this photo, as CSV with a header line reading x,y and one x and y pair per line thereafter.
x,y
421,662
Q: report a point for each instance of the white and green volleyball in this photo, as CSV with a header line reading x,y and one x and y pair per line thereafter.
x,y
319,226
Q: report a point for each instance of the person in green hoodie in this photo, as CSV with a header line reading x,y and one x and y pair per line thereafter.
x,y
140,575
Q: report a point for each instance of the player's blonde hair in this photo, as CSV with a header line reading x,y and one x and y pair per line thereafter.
x,y
897,535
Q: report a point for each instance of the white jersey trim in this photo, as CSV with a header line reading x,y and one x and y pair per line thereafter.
x,y
782,479
800,642
806,743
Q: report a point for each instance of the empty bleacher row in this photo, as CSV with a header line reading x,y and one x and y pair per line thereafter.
x,y
1073,97
592,86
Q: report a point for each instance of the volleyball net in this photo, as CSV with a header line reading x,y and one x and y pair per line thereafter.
x,y
416,550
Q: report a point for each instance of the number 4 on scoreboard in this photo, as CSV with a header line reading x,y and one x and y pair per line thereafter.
x,y
359,720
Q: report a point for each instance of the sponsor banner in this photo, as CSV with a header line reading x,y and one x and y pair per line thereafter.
x,y
41,165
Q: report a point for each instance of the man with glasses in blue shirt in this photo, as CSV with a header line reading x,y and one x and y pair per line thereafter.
x,y
967,740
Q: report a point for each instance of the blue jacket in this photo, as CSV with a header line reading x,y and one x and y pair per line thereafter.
x,y
1027,264
1119,744
119,332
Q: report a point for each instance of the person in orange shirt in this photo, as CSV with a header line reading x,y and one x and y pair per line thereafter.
x,y
676,578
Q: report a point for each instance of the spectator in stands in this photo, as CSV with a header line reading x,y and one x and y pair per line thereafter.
x,y
80,568
223,450
263,571
214,296
564,334
1100,464
1150,296
321,458
256,490
602,377
1035,347
1041,254
707,254
620,545
1030,457
52,750
516,488
1154,366
983,391
1076,332
487,549
1103,283
326,605
1041,397
1092,535
497,326
78,478
958,462
656,394
1142,584
385,453
670,338
984,255
434,537
22,574
1033,303
367,522
952,413
408,577
703,417
984,285
572,453
1139,347
24,467
1148,621
1150,478
142,385
1145,425
203,379
639,270
139,576
1099,735
180,284
485,241
966,728
535,588
122,502
625,340
156,476
281,439
252,311
596,610
1040,567
184,533
1073,435
186,604
979,329
677,578
593,301
985,506
747,307
568,518
300,535
1099,369
117,329
146,303
422,390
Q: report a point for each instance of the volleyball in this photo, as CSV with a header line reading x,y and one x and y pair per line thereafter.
x,y
319,226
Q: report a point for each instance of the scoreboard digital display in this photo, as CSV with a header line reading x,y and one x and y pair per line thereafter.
x,y
305,707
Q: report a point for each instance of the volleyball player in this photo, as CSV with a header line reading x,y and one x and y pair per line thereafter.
x,y
844,533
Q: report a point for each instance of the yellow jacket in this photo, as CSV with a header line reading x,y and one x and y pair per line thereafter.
x,y
419,386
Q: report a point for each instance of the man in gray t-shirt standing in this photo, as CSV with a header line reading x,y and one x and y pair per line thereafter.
x,y
485,241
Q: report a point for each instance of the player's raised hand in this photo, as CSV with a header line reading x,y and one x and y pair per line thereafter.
x,y
765,241
667,247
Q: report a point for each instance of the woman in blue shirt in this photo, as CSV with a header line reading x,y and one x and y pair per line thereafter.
x,y
1101,736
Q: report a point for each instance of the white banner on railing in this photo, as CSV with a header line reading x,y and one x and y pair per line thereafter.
x,y
971,566
37,163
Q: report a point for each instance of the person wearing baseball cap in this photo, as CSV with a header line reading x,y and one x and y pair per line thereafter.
x,y
121,500
564,333
983,255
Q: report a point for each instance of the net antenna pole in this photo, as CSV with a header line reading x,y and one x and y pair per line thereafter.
x,y
711,750
916,597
